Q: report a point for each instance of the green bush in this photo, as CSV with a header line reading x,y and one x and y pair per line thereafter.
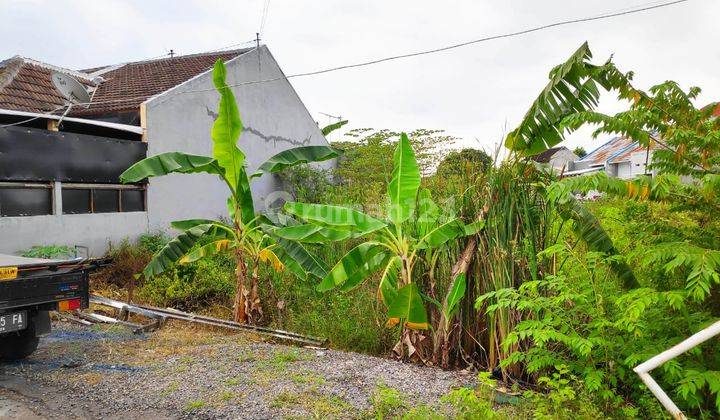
x,y
48,251
581,335
347,320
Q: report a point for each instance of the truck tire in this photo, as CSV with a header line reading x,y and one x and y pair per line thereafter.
x,y
18,345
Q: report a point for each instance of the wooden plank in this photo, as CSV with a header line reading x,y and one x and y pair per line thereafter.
x,y
143,121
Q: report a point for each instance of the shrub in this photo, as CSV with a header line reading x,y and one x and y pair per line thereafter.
x,y
581,334
48,251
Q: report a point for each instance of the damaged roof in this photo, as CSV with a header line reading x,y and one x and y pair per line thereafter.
x,y
605,152
618,149
26,84
126,86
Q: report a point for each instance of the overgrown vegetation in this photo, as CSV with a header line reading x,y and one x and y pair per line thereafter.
x,y
497,265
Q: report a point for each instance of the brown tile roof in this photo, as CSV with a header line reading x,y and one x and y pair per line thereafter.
x,y
126,86
26,85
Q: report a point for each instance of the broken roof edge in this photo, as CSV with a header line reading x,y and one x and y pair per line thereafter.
x,y
167,92
85,76
115,126
110,67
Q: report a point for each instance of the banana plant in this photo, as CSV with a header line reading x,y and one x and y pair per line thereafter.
x,y
243,236
572,91
394,243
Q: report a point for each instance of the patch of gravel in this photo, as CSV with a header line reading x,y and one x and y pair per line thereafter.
x,y
112,374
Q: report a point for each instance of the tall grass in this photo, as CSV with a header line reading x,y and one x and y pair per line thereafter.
x,y
519,222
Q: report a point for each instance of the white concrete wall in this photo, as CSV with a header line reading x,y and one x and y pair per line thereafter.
x,y
637,161
624,170
95,231
274,118
563,158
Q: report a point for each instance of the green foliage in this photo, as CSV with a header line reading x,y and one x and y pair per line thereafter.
x,y
391,238
48,251
580,152
365,168
387,402
202,239
686,140
192,287
579,323
332,127
574,87
458,163
307,184
469,405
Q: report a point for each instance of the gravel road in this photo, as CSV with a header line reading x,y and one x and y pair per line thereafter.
x,y
186,372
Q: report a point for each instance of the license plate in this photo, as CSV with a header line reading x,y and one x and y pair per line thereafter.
x,y
8,273
13,322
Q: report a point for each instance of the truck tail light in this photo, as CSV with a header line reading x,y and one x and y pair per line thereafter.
x,y
69,305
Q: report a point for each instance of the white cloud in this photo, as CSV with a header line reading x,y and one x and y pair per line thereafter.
x,y
471,92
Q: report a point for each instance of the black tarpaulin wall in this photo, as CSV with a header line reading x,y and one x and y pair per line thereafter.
x,y
29,154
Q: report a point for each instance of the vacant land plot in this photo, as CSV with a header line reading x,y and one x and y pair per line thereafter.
x,y
182,371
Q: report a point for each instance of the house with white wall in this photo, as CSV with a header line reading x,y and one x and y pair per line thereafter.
x,y
67,191
620,157
559,158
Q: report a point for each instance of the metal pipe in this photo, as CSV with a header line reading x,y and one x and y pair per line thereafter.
x,y
644,368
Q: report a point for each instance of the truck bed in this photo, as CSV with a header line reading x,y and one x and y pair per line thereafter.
x,y
41,283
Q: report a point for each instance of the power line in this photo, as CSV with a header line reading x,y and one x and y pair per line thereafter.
x,y
45,115
454,46
408,55
266,7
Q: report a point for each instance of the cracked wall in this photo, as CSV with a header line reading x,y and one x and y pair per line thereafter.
x,y
274,117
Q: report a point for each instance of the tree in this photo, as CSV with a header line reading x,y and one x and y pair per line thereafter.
x,y
463,161
685,139
580,152
411,230
365,168
243,236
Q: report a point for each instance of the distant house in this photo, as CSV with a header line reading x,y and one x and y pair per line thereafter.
x,y
559,158
59,180
620,157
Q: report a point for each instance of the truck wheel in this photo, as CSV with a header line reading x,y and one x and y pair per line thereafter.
x,y
18,345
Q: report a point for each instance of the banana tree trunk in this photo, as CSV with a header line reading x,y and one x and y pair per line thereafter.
x,y
441,343
240,310
254,308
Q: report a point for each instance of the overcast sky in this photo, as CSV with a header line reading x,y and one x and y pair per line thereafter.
x,y
473,92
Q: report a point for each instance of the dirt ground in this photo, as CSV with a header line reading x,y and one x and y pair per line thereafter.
x,y
183,371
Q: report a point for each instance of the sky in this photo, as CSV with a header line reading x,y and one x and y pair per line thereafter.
x,y
476,93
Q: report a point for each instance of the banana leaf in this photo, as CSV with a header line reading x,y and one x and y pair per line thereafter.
x,y
182,244
170,162
587,228
357,265
405,181
207,250
408,305
336,217
300,257
312,234
387,290
297,156
226,131
332,127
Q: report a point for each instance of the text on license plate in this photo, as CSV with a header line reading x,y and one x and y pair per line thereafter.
x,y
8,273
13,322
